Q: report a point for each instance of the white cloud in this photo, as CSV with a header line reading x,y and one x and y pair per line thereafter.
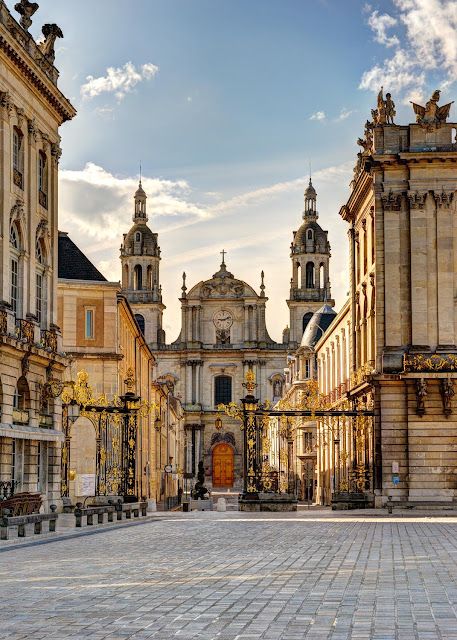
x,y
120,80
425,46
344,113
380,24
319,115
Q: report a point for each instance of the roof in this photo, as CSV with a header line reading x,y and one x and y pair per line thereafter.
x,y
318,325
73,264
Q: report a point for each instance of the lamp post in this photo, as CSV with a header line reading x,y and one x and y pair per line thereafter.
x,y
70,413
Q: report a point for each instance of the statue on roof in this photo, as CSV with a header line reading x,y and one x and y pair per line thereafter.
x,y
432,116
51,32
385,111
26,10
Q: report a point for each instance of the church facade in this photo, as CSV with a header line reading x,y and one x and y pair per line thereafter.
x,y
223,335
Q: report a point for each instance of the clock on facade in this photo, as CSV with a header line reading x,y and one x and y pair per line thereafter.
x,y
223,319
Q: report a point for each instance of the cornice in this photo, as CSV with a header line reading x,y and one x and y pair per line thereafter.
x,y
29,68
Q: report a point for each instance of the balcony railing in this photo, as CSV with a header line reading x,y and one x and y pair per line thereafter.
x,y
18,179
49,340
20,416
25,331
43,199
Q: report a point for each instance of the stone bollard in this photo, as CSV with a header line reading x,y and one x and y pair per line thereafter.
x,y
390,506
221,504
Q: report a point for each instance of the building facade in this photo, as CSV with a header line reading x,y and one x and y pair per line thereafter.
x,y
32,109
223,335
102,338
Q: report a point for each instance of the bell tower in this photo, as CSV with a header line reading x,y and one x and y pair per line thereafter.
x,y
140,258
310,256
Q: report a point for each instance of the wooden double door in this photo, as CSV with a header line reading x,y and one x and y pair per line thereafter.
x,y
223,465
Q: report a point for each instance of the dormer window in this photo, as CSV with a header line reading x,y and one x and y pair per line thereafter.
x,y
137,236
309,234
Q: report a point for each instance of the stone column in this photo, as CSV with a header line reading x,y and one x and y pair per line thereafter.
x,y
188,398
391,206
419,297
445,254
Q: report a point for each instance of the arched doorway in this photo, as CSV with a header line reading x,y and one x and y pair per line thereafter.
x,y
223,465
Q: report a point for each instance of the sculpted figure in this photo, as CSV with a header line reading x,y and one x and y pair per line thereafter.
x,y
389,109
51,32
432,116
26,10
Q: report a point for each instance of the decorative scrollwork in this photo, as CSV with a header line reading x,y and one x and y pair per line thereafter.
x,y
434,362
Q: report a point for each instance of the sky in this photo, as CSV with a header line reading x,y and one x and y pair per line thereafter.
x,y
227,104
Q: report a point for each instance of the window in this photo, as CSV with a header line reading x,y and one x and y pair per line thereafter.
x,y
137,236
14,284
39,282
307,369
309,275
42,466
222,390
310,234
39,297
14,268
13,461
138,277
42,180
140,322
18,157
89,324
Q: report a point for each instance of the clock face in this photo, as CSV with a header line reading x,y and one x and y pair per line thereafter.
x,y
223,319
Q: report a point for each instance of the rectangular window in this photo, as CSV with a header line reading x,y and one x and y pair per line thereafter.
x,y
307,369
42,466
13,461
39,296
222,390
89,324
18,158
14,284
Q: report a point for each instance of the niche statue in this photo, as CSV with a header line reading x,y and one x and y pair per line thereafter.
x,y
200,492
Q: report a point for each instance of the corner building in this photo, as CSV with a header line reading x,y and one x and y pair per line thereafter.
x,y
32,362
403,252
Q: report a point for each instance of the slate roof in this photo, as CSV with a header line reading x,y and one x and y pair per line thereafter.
x,y
73,264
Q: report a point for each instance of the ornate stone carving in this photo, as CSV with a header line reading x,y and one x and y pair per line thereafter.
x,y
51,32
32,128
447,392
385,112
56,152
6,102
432,116
443,199
17,212
20,116
367,145
421,394
430,362
26,10
391,201
42,230
416,199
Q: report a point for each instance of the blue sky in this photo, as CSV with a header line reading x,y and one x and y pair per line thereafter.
x,y
226,102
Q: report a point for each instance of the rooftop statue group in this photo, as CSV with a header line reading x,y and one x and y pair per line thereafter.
x,y
51,32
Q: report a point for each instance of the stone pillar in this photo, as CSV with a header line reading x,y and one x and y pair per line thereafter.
x,y
392,272
419,297
188,395
445,254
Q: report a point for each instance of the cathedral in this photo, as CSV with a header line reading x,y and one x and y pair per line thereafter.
x,y
223,335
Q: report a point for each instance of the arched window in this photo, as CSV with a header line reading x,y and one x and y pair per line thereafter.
x,y
138,277
21,399
309,234
306,318
299,282
310,275
222,390
43,179
18,158
15,291
138,236
40,283
140,321
322,282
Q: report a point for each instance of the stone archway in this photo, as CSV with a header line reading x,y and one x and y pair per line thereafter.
x,y
223,463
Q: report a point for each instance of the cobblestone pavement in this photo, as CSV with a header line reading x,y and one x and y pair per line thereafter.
x,y
235,576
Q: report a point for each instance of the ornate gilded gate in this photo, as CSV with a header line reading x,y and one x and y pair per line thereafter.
x,y
115,425
344,443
